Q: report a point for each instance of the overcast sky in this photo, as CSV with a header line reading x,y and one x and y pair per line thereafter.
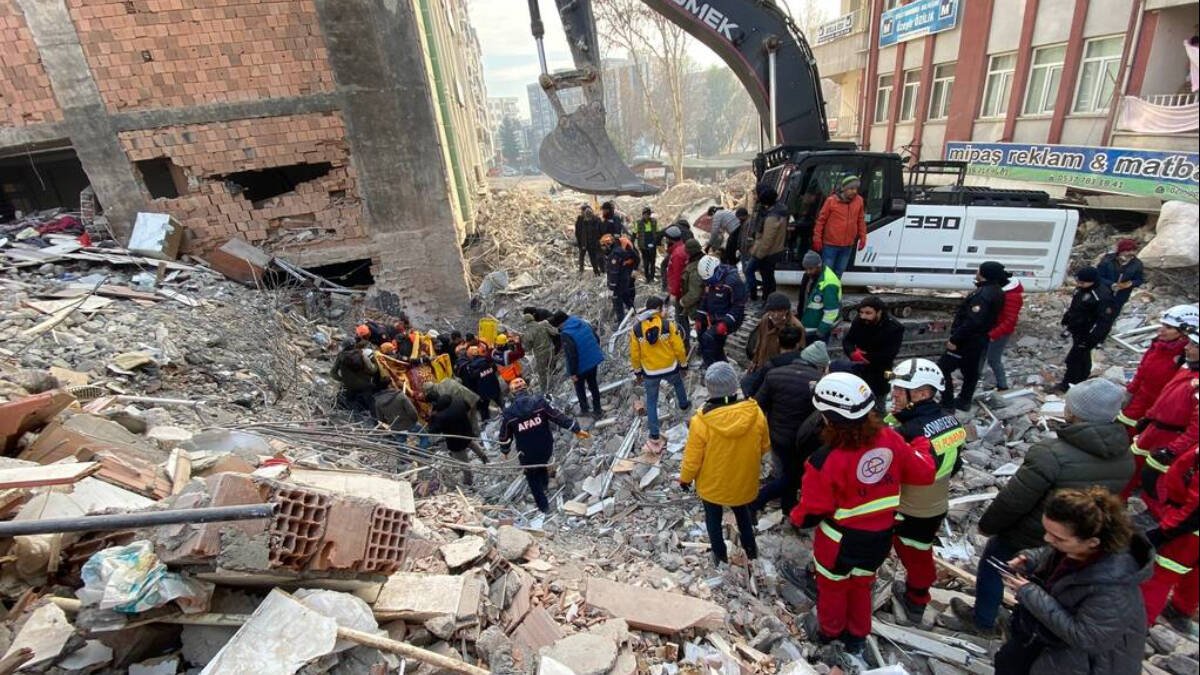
x,y
510,57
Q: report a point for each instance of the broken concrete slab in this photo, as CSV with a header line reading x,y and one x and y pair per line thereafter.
x,y
512,542
394,494
537,630
31,412
584,653
94,653
653,610
240,261
463,551
46,632
278,639
419,597
53,474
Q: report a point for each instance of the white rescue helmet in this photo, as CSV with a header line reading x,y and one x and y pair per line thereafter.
x,y
916,373
708,267
844,395
1182,317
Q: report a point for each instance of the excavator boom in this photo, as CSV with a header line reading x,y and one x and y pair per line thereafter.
x,y
757,40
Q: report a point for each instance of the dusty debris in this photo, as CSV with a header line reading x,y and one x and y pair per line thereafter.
x,y
653,610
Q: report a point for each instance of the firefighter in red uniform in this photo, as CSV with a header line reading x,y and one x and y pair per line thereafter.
x,y
1177,545
916,414
850,492
1159,363
1170,427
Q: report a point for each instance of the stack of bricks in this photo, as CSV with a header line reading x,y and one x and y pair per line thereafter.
x,y
180,53
25,93
213,214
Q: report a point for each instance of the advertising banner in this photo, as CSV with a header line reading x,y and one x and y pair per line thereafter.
x,y
1142,173
832,30
916,19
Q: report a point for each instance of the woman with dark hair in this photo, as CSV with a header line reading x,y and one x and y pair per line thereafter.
x,y
1079,608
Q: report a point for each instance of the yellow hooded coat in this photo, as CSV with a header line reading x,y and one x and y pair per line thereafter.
x,y
724,453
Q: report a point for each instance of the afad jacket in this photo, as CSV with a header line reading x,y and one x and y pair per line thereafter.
x,y
724,298
1159,364
724,452
656,347
527,420
852,495
1014,300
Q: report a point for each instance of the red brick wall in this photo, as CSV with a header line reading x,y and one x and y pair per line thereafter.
x,y
327,210
25,93
178,53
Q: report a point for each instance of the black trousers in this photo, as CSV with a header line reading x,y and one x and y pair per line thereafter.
x,y
966,360
766,273
1079,362
593,256
716,536
649,258
539,481
584,382
623,298
784,484
729,255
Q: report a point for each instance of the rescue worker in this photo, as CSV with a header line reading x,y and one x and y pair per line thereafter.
x,y
705,222
726,234
872,343
452,418
1121,272
656,355
358,376
620,262
527,420
1088,450
786,399
1169,428
1159,363
691,286
581,349
726,442
850,492
1087,321
815,355
507,356
611,222
1177,546
482,379
721,309
452,388
1006,325
821,298
587,238
841,227
540,339
374,332
976,315
916,413
777,315
770,243
645,230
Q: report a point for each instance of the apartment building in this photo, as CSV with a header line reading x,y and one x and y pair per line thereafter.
x,y
1088,95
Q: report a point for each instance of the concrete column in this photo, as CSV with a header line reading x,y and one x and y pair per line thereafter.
x,y
387,106
85,117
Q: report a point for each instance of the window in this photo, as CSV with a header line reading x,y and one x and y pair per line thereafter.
x,y
908,96
939,99
999,82
890,4
883,98
1098,74
1044,78
875,180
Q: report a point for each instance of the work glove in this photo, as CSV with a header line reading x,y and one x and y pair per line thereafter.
x,y
722,329
858,356
861,244
582,435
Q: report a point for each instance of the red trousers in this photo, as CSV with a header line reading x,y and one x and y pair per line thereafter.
x,y
913,541
844,606
1135,481
1184,552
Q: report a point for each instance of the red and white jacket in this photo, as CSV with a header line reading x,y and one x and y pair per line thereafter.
x,y
1159,364
1179,512
1014,299
1174,420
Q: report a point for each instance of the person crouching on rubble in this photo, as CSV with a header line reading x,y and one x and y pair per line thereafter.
x,y
727,440
916,413
527,420
452,417
850,492
1079,610
358,376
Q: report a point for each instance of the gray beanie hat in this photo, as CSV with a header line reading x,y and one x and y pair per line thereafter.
x,y
811,259
1096,400
721,380
816,354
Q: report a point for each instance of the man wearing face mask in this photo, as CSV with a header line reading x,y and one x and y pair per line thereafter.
x,y
1121,271
872,344
969,334
1087,321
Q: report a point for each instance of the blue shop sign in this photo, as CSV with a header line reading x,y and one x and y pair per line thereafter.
x,y
922,17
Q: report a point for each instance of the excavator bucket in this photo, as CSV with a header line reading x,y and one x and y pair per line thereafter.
x,y
580,155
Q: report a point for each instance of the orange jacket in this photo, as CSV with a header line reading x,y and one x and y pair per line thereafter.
x,y
840,223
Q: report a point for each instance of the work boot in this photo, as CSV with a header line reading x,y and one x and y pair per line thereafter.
x,y
1178,620
963,616
803,578
909,611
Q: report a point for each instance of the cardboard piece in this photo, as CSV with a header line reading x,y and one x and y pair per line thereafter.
x,y
653,610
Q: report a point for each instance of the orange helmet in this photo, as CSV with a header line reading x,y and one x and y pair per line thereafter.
x,y
362,331
606,240
517,384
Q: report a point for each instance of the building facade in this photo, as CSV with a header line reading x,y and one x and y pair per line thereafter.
x,y
283,122
959,79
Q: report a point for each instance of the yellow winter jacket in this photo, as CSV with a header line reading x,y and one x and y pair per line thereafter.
x,y
724,453
652,353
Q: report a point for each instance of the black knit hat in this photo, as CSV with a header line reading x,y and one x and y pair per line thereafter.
x,y
993,271
777,302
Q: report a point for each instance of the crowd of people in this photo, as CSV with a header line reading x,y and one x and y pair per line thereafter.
x,y
862,447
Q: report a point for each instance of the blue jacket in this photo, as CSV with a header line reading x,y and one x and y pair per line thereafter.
x,y
1111,272
482,379
724,297
581,346
527,420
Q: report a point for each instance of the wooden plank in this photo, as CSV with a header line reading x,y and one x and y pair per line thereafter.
x,y
107,290
51,474
1009,598
90,304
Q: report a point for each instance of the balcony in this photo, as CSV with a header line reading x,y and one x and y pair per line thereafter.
x,y
845,48
1158,122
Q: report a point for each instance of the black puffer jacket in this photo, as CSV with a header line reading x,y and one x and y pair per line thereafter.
x,y
977,314
786,399
1083,455
1093,617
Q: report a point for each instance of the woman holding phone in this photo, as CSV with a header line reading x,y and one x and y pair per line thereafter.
x,y
1078,603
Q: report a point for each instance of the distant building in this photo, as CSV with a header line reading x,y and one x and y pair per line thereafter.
x,y
503,107
542,118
